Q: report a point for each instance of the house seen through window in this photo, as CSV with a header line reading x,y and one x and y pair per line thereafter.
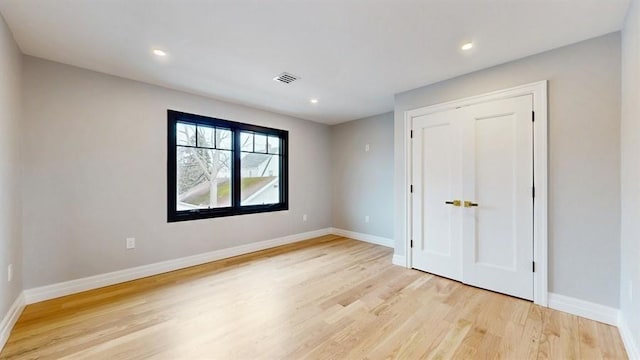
x,y
220,168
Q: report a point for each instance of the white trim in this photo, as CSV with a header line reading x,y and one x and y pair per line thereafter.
x,y
378,240
540,215
399,260
408,211
586,309
540,164
633,350
97,281
10,319
525,89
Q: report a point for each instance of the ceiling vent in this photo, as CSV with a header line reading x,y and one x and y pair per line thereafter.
x,y
286,78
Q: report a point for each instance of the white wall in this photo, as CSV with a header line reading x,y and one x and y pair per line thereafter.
x,y
95,173
584,158
630,147
363,180
10,165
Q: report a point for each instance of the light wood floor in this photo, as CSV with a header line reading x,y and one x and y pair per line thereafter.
x,y
329,297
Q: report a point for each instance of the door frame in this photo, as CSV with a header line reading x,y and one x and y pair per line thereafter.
x,y
540,167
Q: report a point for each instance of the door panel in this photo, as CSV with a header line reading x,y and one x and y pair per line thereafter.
x,y
497,170
494,164
436,179
436,186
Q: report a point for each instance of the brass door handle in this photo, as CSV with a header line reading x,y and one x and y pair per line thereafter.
x,y
454,202
468,204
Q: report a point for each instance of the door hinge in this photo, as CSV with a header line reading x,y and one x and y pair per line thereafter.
x,y
411,188
411,134
412,243
533,192
533,116
533,266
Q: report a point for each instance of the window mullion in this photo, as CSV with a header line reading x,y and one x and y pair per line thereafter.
x,y
236,171
284,156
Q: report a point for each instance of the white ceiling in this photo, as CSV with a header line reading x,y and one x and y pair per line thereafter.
x,y
353,55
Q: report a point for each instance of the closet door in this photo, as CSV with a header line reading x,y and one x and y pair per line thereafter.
x,y
436,179
497,171
472,204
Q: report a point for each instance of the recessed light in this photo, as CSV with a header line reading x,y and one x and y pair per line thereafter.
x,y
467,46
314,101
159,52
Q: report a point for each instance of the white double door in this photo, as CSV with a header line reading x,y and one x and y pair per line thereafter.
x,y
472,202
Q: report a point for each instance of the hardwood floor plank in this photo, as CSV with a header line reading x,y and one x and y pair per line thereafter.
x,y
452,340
326,298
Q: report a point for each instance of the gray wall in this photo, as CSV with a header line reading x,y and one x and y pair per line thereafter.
x,y
10,204
584,158
363,181
630,130
95,173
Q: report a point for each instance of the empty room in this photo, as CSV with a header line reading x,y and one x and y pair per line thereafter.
x,y
320,179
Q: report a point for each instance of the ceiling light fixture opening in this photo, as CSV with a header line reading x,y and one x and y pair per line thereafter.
x,y
314,101
159,52
467,46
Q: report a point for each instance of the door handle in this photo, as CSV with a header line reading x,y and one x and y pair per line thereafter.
x,y
468,204
454,202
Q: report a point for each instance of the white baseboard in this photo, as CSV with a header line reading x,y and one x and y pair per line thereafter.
x,y
47,292
10,319
586,309
630,344
378,240
400,260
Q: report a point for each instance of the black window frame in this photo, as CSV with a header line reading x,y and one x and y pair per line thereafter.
x,y
173,215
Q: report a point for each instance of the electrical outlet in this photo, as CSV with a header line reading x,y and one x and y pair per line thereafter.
x,y
366,219
366,147
10,272
131,243
304,217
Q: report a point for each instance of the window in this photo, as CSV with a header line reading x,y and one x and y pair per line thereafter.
x,y
221,168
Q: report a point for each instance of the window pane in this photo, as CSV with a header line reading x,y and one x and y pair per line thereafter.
x,y
246,141
260,179
185,134
206,136
260,143
274,145
223,139
195,168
